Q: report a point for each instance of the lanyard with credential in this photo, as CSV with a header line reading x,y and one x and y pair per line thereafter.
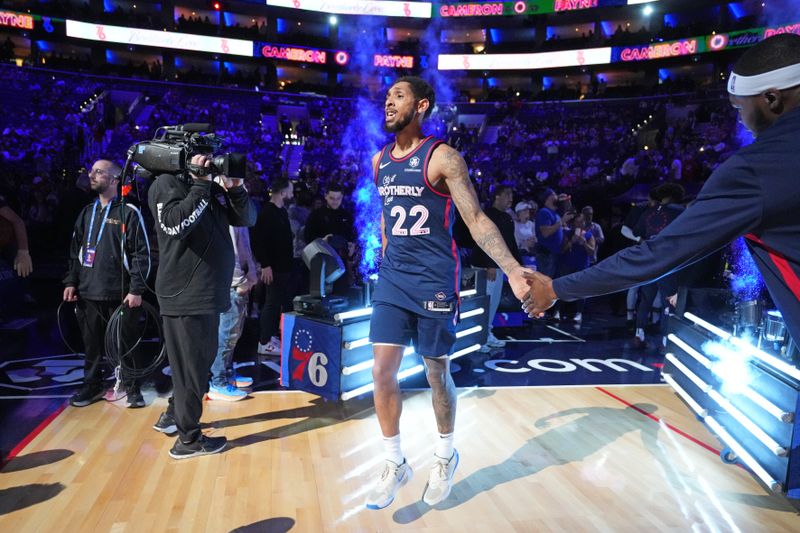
x,y
88,260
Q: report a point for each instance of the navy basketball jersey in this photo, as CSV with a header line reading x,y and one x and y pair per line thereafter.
x,y
420,270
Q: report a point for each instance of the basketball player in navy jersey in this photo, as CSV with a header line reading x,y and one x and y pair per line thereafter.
x,y
421,182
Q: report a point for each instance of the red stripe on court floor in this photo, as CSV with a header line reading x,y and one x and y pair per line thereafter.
x,y
659,420
33,434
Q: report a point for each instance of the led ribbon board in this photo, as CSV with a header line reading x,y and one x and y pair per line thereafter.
x,y
160,39
301,54
522,7
359,7
16,20
533,61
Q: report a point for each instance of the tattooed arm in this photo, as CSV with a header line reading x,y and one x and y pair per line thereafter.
x,y
447,171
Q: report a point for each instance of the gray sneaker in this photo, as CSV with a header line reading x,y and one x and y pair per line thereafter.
x,y
440,480
392,477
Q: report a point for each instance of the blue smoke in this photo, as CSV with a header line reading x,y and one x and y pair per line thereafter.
x,y
363,137
747,283
779,12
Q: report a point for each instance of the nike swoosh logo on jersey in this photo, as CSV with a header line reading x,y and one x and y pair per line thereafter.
x,y
384,165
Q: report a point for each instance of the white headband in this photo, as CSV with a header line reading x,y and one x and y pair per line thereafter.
x,y
781,78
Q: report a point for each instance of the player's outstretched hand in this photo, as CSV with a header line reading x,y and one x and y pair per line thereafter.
x,y
518,279
540,295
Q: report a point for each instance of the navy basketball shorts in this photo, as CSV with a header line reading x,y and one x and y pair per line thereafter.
x,y
431,337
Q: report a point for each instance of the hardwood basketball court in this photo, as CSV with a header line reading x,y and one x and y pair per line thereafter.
x,y
532,459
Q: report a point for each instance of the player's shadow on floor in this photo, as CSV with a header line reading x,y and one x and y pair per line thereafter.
x,y
270,525
594,429
318,415
16,498
35,459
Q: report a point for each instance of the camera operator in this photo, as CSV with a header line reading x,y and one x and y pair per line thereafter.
x,y
193,215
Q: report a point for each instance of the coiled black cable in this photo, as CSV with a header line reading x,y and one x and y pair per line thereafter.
x,y
126,361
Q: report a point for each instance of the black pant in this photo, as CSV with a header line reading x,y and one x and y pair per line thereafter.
x,y
647,295
93,317
277,298
191,348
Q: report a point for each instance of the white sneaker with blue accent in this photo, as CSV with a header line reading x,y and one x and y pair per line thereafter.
x,y
392,477
440,481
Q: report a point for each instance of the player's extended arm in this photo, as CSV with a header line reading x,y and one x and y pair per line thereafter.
x,y
448,163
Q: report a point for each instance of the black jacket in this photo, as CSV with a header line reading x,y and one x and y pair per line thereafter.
x,y
113,274
505,224
325,221
273,242
195,250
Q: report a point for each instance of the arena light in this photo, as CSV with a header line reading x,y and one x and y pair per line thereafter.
x,y
696,407
746,458
526,61
702,385
465,351
333,20
358,343
371,386
768,406
748,348
647,11
160,39
748,424
383,8
466,332
369,363
355,313
700,358
475,312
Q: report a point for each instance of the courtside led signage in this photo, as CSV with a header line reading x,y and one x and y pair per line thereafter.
x,y
391,61
359,7
542,60
16,20
161,39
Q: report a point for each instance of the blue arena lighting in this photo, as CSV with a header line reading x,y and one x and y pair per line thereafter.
x,y
672,20
737,10
747,283
608,28
496,36
282,25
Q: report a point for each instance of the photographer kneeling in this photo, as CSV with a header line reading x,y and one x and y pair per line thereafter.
x,y
192,215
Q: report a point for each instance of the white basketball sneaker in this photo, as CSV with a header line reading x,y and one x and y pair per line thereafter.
x,y
392,477
440,480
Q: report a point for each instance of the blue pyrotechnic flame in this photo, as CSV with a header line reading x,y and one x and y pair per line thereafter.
x,y
363,138
747,283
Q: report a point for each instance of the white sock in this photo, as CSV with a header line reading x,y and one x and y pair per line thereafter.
x,y
640,333
444,447
391,445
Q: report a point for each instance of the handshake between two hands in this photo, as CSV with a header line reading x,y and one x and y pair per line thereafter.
x,y
534,289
